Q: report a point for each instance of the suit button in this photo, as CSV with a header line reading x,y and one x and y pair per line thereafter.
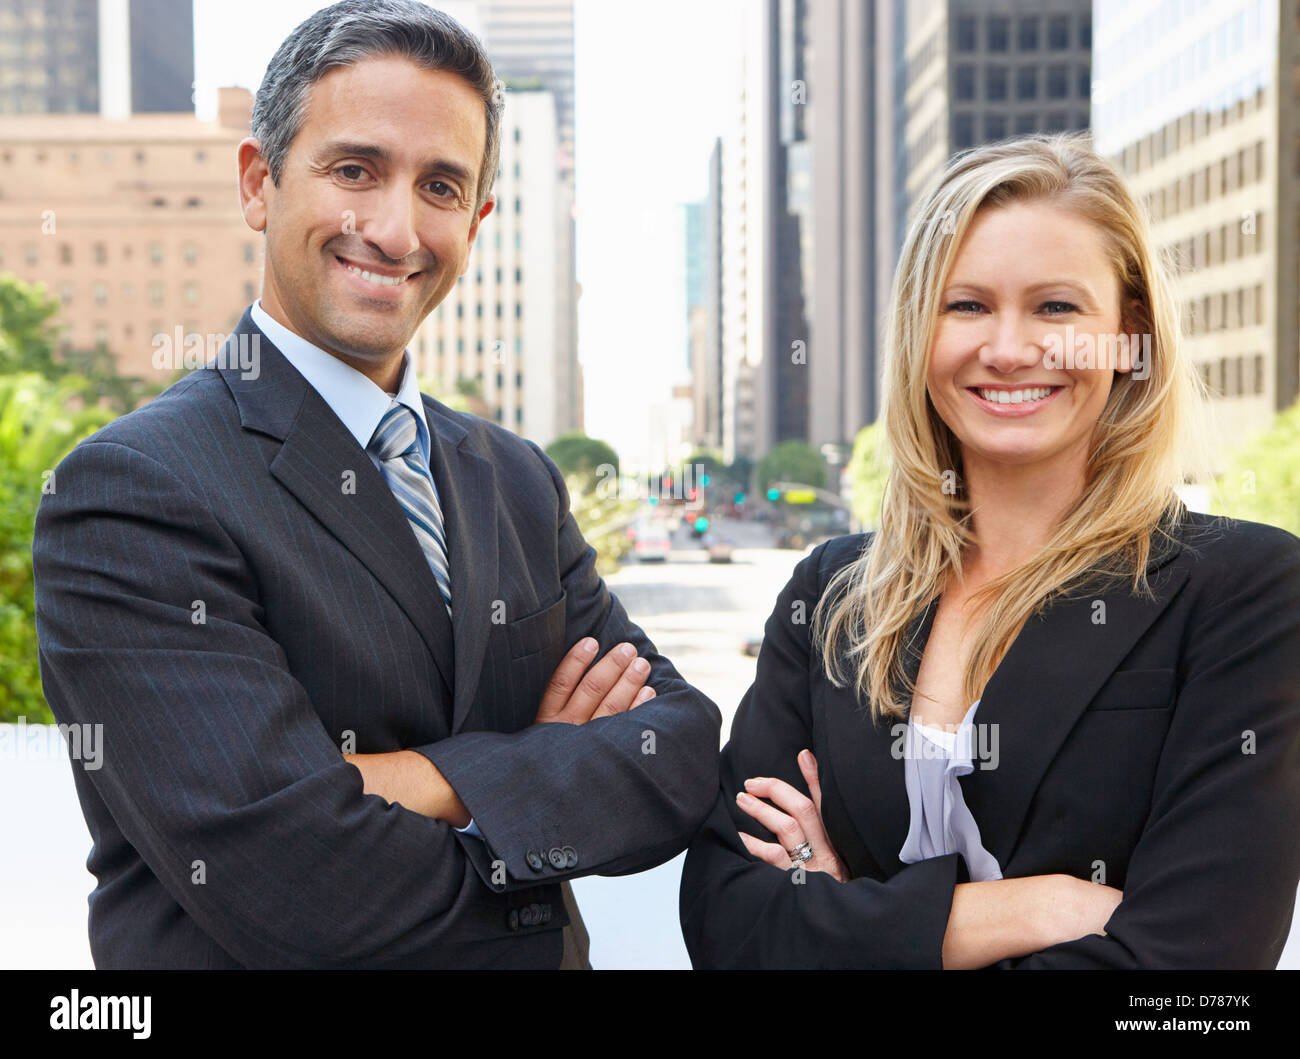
x,y
534,860
512,920
557,858
570,857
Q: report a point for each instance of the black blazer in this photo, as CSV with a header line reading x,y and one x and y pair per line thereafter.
x,y
1161,748
226,583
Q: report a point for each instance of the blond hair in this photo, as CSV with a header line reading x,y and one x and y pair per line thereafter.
x,y
1135,460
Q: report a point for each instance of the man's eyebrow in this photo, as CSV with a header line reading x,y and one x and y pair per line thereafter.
x,y
344,148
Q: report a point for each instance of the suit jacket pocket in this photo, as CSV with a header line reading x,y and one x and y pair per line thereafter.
x,y
538,632
1136,689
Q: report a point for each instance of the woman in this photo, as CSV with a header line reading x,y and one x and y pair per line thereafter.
x,y
1044,716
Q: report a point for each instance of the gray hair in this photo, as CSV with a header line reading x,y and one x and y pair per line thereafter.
x,y
352,30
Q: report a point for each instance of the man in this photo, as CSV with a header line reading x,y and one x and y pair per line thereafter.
x,y
322,619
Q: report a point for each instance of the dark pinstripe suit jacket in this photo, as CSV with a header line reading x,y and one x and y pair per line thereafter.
x,y
225,582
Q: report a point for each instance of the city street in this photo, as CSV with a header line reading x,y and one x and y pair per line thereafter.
x,y
700,615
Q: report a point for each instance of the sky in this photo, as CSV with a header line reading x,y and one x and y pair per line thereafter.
x,y
656,82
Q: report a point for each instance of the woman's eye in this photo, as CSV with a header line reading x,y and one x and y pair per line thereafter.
x,y
1058,308
964,307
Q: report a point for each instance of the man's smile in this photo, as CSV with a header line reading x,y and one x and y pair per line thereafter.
x,y
377,280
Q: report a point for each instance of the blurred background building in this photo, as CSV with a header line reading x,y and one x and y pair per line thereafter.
x,y
1199,104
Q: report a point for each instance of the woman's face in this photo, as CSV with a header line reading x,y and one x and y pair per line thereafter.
x,y
1011,393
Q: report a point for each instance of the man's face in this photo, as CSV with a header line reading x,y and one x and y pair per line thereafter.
x,y
373,220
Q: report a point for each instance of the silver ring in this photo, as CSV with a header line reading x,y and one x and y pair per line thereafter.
x,y
801,853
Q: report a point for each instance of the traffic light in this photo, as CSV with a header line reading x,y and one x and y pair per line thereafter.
x,y
704,479
701,524
774,494
740,498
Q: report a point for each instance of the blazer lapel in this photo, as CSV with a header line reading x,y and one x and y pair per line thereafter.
x,y
1056,666
865,765
313,462
467,492
1053,670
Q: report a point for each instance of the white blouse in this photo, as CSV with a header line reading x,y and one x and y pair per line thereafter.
x,y
933,760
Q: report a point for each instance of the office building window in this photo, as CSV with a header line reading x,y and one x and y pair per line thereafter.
x,y
155,253
999,31
65,253
1027,33
1027,82
964,82
101,254
250,292
191,293
995,127
965,32
1085,82
1058,121
1058,82
995,82
190,252
963,131
1026,123
1085,30
1058,32
156,293
101,294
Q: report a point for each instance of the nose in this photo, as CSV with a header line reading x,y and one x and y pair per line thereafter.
x,y
391,226
1011,345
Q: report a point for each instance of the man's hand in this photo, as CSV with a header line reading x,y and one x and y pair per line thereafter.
x,y
411,779
614,684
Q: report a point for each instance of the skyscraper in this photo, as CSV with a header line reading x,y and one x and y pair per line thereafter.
x,y
113,57
1198,104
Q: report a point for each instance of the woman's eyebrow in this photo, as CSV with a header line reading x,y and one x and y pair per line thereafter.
x,y
1048,284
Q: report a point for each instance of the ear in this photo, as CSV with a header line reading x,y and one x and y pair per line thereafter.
x,y
1135,319
487,208
253,177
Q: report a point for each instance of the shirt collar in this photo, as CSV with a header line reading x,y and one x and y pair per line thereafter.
x,y
357,401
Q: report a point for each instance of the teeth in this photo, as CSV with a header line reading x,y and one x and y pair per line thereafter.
x,y
380,281
1016,396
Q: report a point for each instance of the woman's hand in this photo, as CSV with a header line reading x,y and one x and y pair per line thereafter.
x,y
801,822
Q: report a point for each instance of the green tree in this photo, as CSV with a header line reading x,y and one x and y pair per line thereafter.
x,y
576,453
29,328
868,472
1262,483
792,461
41,419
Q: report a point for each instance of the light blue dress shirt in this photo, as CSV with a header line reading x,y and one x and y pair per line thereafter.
x,y
357,401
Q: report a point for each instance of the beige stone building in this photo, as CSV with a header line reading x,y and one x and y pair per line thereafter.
x,y
134,225
1199,104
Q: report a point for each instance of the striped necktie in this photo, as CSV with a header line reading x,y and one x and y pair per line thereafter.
x,y
408,476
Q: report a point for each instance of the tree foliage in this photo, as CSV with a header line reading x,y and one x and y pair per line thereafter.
x,y
1262,483
577,454
792,461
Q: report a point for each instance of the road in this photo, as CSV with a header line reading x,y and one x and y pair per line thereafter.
x,y
700,615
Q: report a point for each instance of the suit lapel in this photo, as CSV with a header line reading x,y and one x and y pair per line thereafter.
x,y
865,765
317,456
1056,666
1053,670
467,492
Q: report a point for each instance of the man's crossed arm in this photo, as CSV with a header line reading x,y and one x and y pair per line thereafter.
x,y
613,685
